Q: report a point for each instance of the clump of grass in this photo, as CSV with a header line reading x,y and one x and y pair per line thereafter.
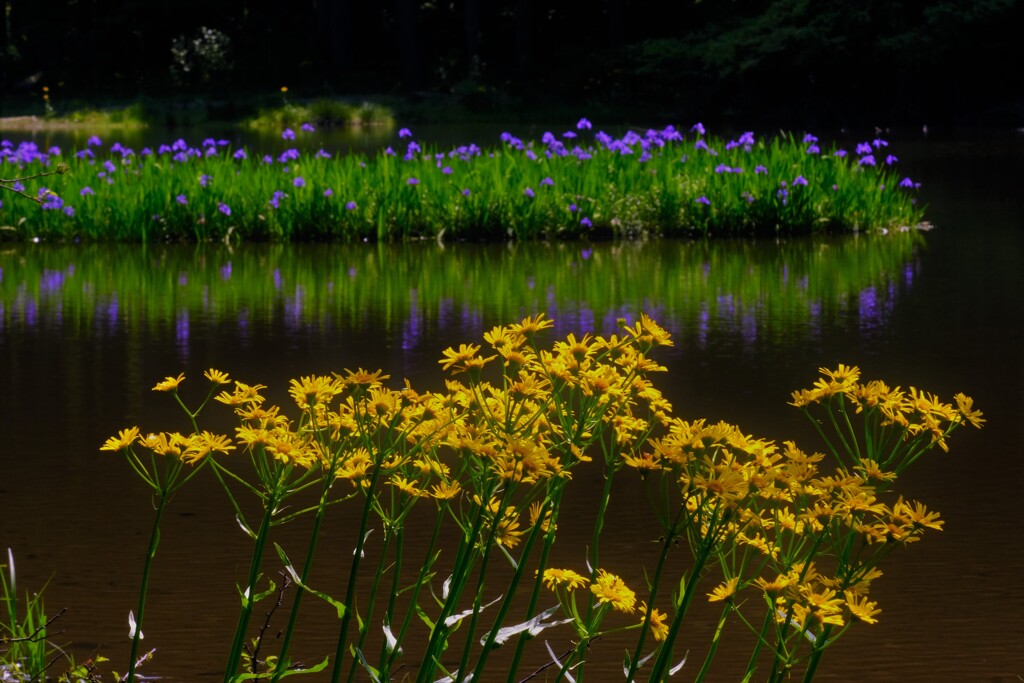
x,y
322,112
576,185
26,653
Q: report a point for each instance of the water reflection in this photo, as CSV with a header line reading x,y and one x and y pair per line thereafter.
x,y
752,291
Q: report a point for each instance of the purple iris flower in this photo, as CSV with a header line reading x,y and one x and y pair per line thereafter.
x,y
328,192
404,133
547,181
351,206
86,191
299,182
466,192
867,160
181,199
583,124
529,192
702,200
799,180
94,141
586,222
205,179
412,181
288,134
307,127
224,208
240,154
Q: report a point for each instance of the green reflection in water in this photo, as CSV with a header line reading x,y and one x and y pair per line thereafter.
x,y
756,288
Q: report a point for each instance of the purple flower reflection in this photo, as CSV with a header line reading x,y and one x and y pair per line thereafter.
x,y
181,331
225,271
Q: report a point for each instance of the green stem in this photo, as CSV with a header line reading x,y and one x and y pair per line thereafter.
x,y
661,665
670,536
817,652
282,663
353,573
714,645
254,570
371,604
507,602
769,618
154,540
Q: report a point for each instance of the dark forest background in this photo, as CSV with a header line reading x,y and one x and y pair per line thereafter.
x,y
842,62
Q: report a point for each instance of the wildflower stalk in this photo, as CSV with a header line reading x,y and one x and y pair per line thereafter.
x,y
713,648
671,534
154,540
350,590
513,586
421,580
531,609
249,597
282,657
463,561
364,627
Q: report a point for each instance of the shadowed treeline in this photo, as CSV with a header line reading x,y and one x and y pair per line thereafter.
x,y
823,63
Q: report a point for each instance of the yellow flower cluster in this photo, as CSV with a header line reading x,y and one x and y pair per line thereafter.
x,y
497,446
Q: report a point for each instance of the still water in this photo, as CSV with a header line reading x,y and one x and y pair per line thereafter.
x,y
85,333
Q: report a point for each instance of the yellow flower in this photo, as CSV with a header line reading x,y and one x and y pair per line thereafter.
x,y
216,376
463,359
648,333
169,383
532,325
446,491
610,589
362,378
124,439
860,608
658,622
312,390
965,404
201,445
243,395
406,486
917,514
724,591
563,578
775,587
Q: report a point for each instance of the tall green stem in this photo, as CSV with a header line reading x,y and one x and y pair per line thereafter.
x,y
353,573
254,571
154,540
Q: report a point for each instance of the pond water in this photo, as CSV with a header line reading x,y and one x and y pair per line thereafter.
x,y
85,333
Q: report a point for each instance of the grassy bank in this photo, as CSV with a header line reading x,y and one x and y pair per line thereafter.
x,y
576,184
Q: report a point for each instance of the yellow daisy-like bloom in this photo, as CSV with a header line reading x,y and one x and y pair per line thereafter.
x,y
504,339
172,444
313,390
610,589
217,377
446,490
658,622
169,383
532,325
243,395
861,609
724,591
965,404
563,578
406,486
774,588
124,439
648,333
463,359
917,514
201,445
